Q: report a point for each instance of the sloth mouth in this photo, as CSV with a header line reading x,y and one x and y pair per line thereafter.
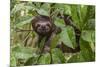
x,y
43,31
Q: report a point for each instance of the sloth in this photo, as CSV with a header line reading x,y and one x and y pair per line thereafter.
x,y
45,27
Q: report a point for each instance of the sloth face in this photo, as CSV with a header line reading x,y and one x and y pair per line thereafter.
x,y
43,27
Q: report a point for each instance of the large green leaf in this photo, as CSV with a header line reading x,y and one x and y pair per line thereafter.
x,y
45,59
57,56
64,37
22,52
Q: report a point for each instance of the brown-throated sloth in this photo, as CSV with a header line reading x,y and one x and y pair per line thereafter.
x,y
45,27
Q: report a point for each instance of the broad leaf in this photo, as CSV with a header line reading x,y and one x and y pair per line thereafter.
x,y
57,56
45,59
88,35
22,52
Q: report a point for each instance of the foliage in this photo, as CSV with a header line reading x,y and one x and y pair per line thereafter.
x,y
23,49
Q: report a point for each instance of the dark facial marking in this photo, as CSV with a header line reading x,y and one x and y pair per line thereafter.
x,y
43,27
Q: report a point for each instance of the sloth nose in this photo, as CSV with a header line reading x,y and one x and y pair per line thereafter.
x,y
43,27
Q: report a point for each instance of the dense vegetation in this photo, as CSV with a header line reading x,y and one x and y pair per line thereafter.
x,y
23,51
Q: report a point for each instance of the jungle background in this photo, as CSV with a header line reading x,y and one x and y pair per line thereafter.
x,y
22,49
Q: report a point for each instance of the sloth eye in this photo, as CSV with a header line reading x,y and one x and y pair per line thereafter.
x,y
47,24
38,25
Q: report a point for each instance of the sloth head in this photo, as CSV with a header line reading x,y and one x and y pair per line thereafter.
x,y
42,25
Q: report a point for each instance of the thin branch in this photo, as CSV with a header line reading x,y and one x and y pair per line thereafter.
x,y
21,30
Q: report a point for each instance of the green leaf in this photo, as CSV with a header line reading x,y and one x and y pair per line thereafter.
x,y
64,37
85,55
42,43
23,20
22,6
83,11
54,41
92,45
22,52
86,51
57,56
45,59
74,14
76,58
43,12
17,8
59,22
88,35
90,14
32,60
46,7
67,9
71,35
90,24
